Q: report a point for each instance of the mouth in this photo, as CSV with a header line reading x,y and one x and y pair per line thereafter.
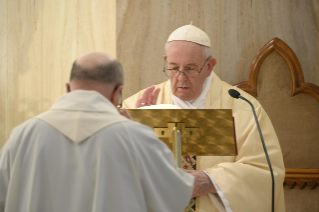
x,y
182,88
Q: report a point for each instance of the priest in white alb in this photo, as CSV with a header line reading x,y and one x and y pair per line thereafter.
x,y
82,155
239,183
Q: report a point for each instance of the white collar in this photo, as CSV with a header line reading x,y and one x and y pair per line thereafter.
x,y
80,114
197,103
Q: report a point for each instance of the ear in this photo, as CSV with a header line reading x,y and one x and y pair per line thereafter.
x,y
165,58
211,63
68,87
116,95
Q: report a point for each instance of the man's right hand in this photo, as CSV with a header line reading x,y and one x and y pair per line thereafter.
x,y
149,97
125,113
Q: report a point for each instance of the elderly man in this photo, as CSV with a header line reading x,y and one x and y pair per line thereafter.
x,y
82,155
227,183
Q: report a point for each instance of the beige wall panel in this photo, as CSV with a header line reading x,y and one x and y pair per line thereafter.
x,y
22,20
97,26
143,27
44,38
247,25
37,43
3,70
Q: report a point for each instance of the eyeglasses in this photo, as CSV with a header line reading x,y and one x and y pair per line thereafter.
x,y
119,106
175,72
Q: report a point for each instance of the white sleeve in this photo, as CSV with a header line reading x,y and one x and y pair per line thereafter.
x,y
222,208
4,175
166,187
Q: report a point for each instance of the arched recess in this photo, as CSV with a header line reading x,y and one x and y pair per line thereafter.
x,y
298,83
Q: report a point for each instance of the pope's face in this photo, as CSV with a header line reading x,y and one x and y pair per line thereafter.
x,y
184,55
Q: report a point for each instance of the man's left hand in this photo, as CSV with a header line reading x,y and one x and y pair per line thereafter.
x,y
202,184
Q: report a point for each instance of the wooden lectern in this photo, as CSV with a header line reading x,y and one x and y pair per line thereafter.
x,y
201,132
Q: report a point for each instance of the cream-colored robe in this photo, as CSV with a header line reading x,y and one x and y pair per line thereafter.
x,y
82,156
245,180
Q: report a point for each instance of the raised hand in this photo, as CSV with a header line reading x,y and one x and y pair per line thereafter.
x,y
149,97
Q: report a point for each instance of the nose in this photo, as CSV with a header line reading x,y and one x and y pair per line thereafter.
x,y
182,76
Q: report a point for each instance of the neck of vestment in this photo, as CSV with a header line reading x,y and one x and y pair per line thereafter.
x,y
80,114
214,94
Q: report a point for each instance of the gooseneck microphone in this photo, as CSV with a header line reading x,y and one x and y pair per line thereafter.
x,y
235,94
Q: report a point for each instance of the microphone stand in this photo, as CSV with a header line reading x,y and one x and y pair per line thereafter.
x,y
235,94
265,150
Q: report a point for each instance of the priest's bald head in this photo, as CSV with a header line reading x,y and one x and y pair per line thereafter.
x,y
189,61
100,72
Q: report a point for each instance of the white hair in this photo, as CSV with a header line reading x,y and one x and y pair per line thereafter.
x,y
208,52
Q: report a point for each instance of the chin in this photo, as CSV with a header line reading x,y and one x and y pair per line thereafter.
x,y
184,97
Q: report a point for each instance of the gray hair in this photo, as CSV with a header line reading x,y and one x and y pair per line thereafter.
x,y
111,72
207,51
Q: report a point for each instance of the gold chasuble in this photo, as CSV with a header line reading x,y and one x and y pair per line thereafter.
x,y
244,179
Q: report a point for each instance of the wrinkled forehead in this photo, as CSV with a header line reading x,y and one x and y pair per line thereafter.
x,y
184,51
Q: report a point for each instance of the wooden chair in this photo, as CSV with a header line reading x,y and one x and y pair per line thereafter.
x,y
276,80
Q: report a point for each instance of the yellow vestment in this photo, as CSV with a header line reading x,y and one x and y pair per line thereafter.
x,y
245,179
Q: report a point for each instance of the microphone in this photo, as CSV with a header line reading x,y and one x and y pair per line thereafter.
x,y
235,94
